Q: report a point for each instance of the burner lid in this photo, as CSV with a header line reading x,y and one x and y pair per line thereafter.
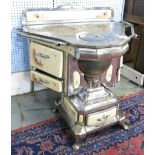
x,y
94,37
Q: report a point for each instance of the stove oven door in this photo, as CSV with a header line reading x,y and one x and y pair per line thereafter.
x,y
102,118
46,59
47,81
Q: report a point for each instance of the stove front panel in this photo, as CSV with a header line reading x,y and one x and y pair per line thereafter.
x,y
101,117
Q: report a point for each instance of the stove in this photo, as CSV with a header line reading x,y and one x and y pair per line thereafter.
x,y
78,53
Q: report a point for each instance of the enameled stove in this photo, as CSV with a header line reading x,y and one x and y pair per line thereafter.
x,y
78,53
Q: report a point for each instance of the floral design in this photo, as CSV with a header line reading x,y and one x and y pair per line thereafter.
x,y
24,150
45,146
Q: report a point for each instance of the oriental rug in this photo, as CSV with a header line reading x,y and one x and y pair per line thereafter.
x,y
52,137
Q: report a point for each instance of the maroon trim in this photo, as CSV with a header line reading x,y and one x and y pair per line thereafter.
x,y
73,66
131,95
103,56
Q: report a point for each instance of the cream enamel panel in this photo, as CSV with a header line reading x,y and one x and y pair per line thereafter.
x,y
121,61
76,79
109,73
81,118
46,59
67,15
38,15
119,71
46,81
70,110
101,117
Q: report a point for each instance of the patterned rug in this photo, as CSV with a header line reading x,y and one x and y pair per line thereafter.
x,y
53,137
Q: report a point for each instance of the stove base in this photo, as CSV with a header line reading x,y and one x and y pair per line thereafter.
x,y
80,129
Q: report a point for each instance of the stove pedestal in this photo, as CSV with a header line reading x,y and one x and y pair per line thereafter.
x,y
86,117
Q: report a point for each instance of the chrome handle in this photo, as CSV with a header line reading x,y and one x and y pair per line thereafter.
x,y
42,81
102,120
104,117
133,34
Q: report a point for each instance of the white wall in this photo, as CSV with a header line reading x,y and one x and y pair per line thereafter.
x,y
20,83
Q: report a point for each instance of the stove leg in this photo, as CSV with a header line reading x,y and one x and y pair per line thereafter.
x,y
76,145
56,103
124,125
31,86
78,139
54,110
79,133
121,119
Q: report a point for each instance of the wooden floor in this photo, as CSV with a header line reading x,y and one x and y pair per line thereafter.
x,y
35,107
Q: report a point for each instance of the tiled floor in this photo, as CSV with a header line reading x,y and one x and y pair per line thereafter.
x,y
35,107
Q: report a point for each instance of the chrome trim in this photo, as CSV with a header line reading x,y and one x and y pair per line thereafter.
x,y
111,51
31,36
133,34
98,103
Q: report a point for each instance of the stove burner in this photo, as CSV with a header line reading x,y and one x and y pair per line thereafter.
x,y
89,37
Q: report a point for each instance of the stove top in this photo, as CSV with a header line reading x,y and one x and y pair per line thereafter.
x,y
96,35
86,28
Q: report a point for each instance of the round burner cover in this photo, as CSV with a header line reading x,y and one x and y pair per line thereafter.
x,y
93,37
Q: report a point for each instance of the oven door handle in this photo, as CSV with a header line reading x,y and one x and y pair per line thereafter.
x,y
40,80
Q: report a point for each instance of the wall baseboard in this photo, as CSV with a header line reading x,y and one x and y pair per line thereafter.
x,y
20,83
133,75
